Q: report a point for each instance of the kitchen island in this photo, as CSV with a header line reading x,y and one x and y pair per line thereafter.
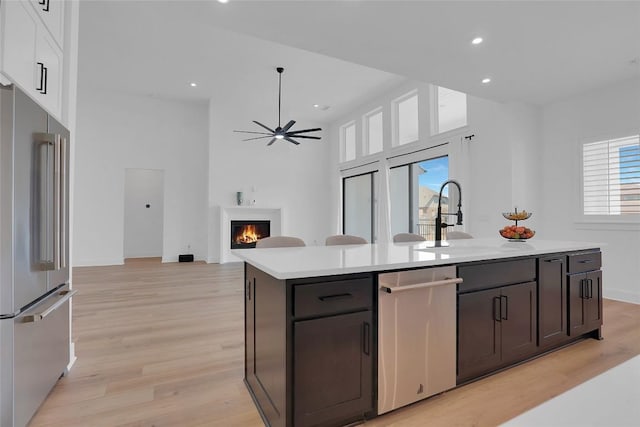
x,y
312,320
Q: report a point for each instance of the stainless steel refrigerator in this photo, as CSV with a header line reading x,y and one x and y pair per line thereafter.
x,y
34,255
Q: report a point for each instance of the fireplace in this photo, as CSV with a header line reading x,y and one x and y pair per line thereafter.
x,y
245,234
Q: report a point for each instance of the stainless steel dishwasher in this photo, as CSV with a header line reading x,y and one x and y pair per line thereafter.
x,y
416,335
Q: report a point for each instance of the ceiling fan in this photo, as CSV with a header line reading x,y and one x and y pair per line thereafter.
x,y
281,132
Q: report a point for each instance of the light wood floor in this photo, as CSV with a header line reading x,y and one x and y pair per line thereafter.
x,y
162,345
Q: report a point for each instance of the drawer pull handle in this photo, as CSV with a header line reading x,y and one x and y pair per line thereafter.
x,y
66,295
586,261
553,260
336,297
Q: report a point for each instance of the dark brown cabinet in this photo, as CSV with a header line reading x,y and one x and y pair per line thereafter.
x,y
309,348
585,292
585,302
496,327
332,374
552,301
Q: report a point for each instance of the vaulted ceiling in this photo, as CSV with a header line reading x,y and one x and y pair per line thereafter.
x,y
339,53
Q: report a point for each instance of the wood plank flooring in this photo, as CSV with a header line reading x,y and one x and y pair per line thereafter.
x,y
162,345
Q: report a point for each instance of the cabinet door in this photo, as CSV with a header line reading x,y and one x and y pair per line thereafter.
x,y
552,301
518,310
593,302
332,374
52,14
19,43
478,333
577,307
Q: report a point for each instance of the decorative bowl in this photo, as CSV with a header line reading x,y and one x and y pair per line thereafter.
x,y
516,234
516,216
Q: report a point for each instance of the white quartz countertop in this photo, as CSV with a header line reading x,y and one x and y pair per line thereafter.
x,y
310,261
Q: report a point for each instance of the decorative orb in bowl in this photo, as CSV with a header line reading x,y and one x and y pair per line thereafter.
x,y
516,216
516,234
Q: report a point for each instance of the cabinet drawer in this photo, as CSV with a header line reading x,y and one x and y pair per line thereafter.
x,y
326,298
580,262
491,275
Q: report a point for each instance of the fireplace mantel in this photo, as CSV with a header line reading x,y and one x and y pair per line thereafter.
x,y
245,213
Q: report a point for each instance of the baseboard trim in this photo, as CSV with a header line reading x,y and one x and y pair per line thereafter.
x,y
622,295
97,262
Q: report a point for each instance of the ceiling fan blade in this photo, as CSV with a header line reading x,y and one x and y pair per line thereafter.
x,y
291,140
288,125
248,131
303,136
272,141
260,124
305,130
259,137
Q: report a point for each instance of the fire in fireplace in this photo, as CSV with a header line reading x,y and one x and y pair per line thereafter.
x,y
245,234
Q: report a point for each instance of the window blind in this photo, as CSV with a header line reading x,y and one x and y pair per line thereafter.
x,y
611,176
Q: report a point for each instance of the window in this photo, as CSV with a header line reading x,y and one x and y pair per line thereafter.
x,y
413,190
373,127
348,137
611,176
406,119
449,110
358,205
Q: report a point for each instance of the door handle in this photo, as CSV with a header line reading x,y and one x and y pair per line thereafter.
x,y
366,339
582,288
504,309
497,309
590,288
57,232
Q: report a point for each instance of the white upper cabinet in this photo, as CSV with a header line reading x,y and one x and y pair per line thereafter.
x,y
52,14
19,35
31,55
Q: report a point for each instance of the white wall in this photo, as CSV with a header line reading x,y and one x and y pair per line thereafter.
x,y
117,131
599,114
294,178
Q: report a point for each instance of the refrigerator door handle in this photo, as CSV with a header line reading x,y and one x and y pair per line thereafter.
x,y
64,240
56,202
47,250
66,295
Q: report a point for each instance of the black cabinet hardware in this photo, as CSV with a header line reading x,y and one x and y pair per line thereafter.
x,y
553,260
497,309
366,341
329,298
504,310
43,78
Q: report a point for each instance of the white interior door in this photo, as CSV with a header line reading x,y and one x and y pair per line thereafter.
x,y
143,213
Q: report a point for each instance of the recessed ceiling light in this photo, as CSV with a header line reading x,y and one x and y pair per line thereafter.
x,y
321,107
192,84
486,80
477,40
223,1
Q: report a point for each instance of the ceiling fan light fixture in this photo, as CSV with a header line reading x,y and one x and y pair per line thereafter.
x,y
281,132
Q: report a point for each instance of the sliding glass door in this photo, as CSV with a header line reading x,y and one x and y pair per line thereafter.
x,y
358,205
413,191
